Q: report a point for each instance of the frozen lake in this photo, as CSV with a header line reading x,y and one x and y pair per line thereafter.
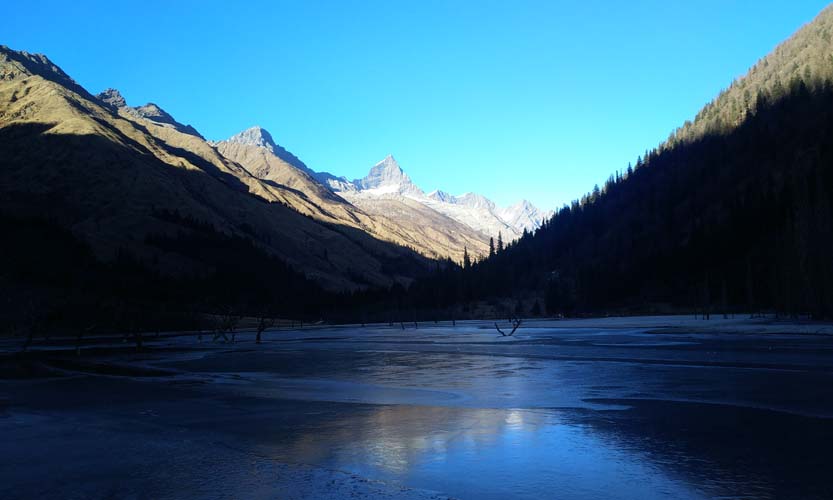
x,y
638,408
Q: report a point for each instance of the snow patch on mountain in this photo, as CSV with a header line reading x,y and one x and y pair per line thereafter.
x,y
255,136
337,184
524,216
386,179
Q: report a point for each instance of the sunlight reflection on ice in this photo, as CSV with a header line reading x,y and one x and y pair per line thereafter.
x,y
512,451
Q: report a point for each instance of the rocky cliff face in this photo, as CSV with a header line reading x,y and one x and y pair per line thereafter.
x,y
112,99
387,177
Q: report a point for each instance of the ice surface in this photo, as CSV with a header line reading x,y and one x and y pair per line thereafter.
x,y
614,408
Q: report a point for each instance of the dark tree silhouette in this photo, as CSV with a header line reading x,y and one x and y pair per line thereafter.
x,y
743,215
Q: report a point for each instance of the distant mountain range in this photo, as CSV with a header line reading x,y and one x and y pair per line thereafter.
x,y
734,209
110,172
134,181
113,99
430,233
387,184
386,181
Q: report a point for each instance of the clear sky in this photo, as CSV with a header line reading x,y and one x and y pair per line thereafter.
x,y
520,99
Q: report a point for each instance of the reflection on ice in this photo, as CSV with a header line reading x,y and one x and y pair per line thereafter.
x,y
484,453
551,413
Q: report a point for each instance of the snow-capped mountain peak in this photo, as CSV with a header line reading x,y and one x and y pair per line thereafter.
x,y
255,136
475,200
387,177
524,215
441,196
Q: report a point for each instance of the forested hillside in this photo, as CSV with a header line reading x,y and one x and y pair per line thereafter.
x,y
732,213
807,56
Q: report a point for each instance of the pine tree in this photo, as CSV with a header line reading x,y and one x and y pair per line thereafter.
x,y
466,259
491,247
499,242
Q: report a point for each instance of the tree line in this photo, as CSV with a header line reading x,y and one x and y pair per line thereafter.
x,y
738,219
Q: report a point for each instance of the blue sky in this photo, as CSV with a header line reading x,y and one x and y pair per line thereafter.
x,y
527,99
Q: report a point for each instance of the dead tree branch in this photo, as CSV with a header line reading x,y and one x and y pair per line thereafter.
x,y
516,322
263,323
225,324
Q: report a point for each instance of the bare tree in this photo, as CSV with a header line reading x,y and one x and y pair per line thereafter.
x,y
219,331
516,322
226,324
263,323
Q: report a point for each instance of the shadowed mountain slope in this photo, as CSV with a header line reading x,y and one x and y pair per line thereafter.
x,y
807,57
732,214
108,173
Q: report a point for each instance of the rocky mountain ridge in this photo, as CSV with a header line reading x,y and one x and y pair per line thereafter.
x,y
430,233
113,99
135,182
387,179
